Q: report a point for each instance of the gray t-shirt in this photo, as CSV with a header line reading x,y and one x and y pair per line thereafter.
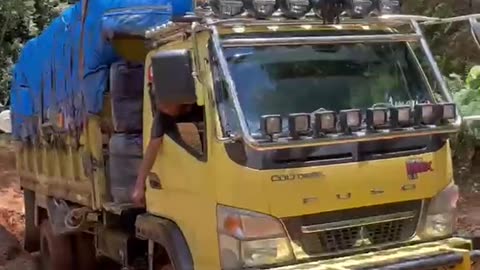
x,y
163,124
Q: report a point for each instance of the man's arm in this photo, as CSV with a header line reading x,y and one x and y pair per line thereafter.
x,y
158,130
148,160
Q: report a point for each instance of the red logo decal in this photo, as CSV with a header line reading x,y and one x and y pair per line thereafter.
x,y
417,166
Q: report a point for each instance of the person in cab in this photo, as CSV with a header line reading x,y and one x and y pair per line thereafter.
x,y
164,122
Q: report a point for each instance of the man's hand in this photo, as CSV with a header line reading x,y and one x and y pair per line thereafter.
x,y
138,196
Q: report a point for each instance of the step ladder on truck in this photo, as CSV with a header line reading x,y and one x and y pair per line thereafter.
x,y
318,139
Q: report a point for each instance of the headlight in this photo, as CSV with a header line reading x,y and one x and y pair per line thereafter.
x,y
271,124
350,120
449,111
400,116
376,117
298,124
427,114
261,9
226,8
295,8
248,239
441,215
324,122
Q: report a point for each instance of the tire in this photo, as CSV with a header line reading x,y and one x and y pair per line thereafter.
x,y
161,260
85,256
55,250
32,233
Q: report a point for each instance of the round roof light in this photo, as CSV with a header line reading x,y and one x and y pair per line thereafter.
x,y
329,10
295,8
226,8
390,6
260,9
360,8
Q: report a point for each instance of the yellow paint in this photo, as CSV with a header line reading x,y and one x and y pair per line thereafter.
x,y
58,169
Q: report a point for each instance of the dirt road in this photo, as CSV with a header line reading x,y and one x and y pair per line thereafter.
x,y
12,257
469,215
11,200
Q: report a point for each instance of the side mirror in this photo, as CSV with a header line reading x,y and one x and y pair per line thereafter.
x,y
475,29
172,77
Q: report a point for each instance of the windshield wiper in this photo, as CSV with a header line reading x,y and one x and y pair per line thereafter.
x,y
239,57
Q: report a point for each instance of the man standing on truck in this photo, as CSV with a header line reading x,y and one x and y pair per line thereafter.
x,y
164,122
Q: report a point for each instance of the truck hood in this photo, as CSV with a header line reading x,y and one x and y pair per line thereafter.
x,y
309,190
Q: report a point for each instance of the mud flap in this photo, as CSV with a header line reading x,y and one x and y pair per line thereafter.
x,y
59,211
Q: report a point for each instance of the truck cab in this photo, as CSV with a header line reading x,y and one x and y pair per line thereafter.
x,y
319,139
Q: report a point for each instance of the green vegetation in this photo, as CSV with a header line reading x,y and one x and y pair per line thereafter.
x,y
21,20
465,154
452,44
466,92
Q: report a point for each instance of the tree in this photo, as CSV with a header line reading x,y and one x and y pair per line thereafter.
x,y
455,51
14,31
452,44
21,20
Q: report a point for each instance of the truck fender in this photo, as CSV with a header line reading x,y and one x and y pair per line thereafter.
x,y
167,234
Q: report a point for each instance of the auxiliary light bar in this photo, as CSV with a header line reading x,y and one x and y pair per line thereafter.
x,y
295,9
323,122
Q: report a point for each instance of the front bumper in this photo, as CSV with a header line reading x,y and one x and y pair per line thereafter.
x,y
454,253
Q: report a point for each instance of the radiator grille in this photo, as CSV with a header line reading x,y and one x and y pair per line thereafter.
x,y
368,226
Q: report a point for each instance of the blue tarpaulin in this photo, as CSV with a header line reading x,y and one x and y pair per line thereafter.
x,y
46,78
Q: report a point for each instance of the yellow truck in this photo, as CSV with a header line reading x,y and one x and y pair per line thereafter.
x,y
321,140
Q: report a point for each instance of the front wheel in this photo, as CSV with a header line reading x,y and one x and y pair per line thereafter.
x,y
55,250
161,260
84,248
167,267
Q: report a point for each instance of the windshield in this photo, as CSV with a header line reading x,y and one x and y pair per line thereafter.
x,y
303,79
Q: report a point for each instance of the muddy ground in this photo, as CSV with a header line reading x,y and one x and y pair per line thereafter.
x,y
12,216
12,257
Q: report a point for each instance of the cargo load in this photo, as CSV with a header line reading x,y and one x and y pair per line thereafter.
x,y
63,73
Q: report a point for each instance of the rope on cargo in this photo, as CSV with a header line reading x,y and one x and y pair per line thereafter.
x,y
76,218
